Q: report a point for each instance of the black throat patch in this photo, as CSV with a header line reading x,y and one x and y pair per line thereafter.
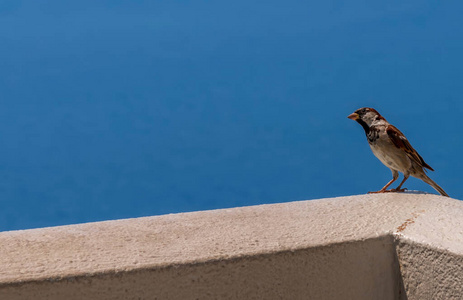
x,y
364,125
371,132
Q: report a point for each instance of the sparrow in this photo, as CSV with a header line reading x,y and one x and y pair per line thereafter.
x,y
393,149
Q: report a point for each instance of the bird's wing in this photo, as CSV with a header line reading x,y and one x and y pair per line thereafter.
x,y
400,141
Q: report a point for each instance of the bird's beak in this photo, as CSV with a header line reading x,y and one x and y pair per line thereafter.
x,y
354,116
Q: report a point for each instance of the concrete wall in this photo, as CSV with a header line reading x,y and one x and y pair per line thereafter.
x,y
388,246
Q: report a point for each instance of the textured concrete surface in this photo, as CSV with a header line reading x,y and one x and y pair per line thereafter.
x,y
389,246
430,273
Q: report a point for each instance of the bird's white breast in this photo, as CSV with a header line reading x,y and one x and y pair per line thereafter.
x,y
389,154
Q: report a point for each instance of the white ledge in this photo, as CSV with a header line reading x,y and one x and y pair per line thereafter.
x,y
387,246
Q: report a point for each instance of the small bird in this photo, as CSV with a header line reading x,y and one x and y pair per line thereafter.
x,y
393,149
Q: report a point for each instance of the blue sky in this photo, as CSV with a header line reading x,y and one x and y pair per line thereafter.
x,y
117,109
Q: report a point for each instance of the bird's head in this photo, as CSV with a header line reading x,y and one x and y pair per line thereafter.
x,y
366,116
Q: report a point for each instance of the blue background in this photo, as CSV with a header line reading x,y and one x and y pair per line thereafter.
x,y
116,109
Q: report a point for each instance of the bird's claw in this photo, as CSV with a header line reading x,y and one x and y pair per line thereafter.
x,y
389,191
379,192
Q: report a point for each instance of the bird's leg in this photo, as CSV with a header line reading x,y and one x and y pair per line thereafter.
x,y
395,175
398,189
384,189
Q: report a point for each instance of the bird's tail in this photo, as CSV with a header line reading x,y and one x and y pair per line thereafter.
x,y
429,181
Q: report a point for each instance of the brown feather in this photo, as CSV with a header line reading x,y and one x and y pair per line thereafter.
x,y
399,139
